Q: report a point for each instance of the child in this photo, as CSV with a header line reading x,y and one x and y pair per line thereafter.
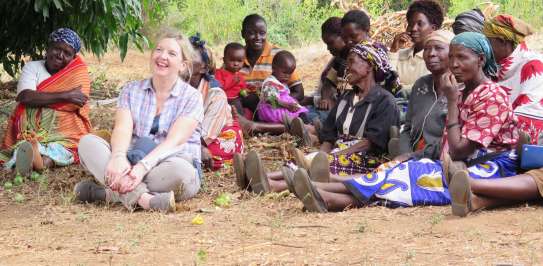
x,y
275,100
229,76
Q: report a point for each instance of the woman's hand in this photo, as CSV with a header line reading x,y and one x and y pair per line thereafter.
x,y
362,145
117,167
325,104
291,107
449,87
400,41
76,96
133,178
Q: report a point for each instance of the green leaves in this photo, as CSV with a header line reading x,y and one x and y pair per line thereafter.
x,y
26,25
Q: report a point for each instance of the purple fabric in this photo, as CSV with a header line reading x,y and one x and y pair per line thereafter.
x,y
267,113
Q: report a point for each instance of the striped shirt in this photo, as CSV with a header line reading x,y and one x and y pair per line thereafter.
x,y
185,101
255,76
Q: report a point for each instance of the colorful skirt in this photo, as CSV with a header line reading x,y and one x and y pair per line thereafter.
x,y
351,163
223,148
421,182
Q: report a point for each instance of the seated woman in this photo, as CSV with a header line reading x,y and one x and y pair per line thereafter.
x,y
469,21
425,120
480,130
221,134
52,112
423,17
325,96
356,130
520,70
164,108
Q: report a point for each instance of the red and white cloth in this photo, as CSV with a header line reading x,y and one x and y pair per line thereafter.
x,y
522,73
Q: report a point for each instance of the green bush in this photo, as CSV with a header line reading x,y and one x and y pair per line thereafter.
x,y
290,22
530,11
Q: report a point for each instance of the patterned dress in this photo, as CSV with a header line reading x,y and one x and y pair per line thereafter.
x,y
522,73
486,117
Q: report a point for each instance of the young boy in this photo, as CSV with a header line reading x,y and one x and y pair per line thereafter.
x,y
229,76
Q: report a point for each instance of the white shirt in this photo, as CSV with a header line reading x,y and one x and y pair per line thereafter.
x,y
34,72
409,67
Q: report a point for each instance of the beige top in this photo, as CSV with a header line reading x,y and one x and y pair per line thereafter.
x,y
409,67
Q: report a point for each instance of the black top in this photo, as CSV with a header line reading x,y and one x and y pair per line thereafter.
x,y
383,114
154,127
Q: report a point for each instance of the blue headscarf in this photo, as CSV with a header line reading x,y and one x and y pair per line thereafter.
x,y
67,36
479,44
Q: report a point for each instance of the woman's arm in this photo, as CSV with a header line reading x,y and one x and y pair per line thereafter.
x,y
118,165
459,148
33,98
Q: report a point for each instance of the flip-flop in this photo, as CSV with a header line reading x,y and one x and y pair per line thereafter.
x,y
298,129
258,180
288,175
319,170
299,158
450,167
307,193
394,142
460,191
24,158
239,170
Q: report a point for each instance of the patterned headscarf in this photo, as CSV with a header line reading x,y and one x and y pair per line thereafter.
x,y
507,28
67,36
471,21
479,44
443,36
376,55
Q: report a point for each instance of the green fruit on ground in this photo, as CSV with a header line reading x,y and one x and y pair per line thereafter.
x,y
18,180
19,198
8,185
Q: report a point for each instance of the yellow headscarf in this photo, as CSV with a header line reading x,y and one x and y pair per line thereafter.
x,y
508,28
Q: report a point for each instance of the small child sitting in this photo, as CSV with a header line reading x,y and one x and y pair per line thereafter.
x,y
229,76
275,100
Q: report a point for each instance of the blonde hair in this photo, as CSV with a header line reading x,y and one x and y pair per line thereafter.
x,y
187,51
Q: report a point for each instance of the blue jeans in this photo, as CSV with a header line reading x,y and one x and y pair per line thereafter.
x,y
314,112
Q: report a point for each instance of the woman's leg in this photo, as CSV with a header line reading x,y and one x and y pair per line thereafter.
x,y
336,187
94,153
337,201
174,174
338,178
506,191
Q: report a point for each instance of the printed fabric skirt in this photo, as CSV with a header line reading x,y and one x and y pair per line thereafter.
x,y
223,148
351,163
421,182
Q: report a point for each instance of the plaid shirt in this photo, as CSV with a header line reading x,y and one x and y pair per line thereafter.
x,y
184,101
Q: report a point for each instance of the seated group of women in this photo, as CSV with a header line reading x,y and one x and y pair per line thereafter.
x,y
457,144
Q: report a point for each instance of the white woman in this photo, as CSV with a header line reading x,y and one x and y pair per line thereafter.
x,y
165,109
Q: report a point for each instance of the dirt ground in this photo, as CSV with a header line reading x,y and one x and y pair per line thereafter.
x,y
41,225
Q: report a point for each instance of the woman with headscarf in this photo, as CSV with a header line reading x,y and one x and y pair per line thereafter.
x,y
221,134
469,21
521,70
52,113
355,133
480,130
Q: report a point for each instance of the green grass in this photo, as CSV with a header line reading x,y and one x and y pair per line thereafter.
x,y
290,22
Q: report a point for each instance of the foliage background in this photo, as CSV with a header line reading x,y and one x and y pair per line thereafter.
x,y
124,23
